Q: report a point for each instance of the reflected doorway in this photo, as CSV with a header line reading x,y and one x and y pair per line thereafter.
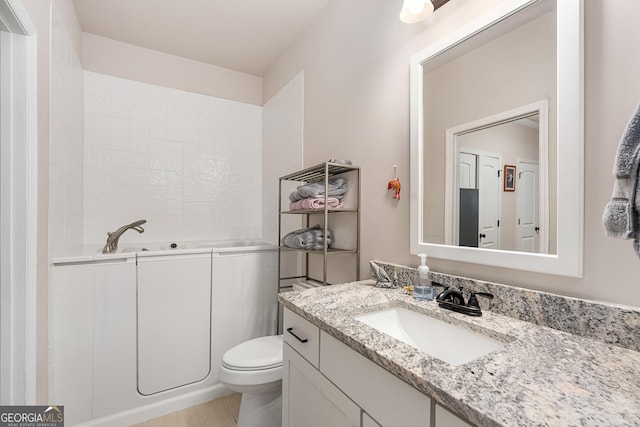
x,y
504,157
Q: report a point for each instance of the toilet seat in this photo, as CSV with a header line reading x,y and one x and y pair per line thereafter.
x,y
258,354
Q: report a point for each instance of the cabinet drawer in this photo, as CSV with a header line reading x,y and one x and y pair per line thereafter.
x,y
303,336
389,400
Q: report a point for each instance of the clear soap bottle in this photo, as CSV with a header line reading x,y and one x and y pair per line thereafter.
x,y
422,290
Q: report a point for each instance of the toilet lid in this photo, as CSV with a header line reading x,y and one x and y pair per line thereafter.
x,y
255,354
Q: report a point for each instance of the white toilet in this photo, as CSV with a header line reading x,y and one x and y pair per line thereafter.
x,y
254,368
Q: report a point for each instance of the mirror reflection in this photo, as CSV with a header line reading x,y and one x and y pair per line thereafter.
x,y
495,193
489,148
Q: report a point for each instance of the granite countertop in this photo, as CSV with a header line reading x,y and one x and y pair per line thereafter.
x,y
541,377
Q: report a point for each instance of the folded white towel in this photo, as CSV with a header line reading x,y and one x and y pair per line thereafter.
x,y
315,203
621,217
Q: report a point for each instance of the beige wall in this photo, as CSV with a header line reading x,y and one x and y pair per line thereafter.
x,y
356,105
107,56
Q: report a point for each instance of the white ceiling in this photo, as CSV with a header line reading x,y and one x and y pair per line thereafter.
x,y
242,35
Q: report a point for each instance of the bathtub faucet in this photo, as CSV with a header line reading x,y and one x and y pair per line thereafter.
x,y
112,238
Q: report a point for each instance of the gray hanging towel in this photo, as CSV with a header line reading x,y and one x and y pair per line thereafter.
x,y
621,218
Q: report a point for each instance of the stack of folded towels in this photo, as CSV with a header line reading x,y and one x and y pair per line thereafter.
x,y
308,238
312,196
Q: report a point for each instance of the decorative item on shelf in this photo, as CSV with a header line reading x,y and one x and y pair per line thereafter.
x,y
394,184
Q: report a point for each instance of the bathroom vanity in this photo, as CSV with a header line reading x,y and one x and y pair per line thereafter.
x,y
323,378
361,376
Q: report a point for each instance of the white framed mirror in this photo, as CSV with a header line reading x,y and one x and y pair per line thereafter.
x,y
513,75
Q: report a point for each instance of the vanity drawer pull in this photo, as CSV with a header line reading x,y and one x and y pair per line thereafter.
x,y
302,340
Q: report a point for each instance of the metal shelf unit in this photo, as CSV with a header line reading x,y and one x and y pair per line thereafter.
x,y
319,173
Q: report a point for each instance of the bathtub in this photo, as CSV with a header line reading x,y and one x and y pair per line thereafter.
x,y
130,250
97,304
196,247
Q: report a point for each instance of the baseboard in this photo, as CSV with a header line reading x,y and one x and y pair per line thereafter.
x,y
158,409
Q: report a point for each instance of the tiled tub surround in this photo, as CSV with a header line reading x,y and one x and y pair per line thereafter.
x,y
190,164
543,377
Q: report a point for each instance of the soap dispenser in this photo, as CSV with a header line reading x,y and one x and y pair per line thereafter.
x,y
423,291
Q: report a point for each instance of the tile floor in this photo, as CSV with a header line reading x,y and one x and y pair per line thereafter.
x,y
221,412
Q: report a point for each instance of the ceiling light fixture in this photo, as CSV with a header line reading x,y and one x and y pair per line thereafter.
x,y
415,11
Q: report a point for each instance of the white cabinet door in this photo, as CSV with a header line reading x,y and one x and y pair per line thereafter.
x,y
310,400
445,418
174,321
390,400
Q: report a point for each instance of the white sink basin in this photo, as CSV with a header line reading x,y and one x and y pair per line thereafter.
x,y
453,344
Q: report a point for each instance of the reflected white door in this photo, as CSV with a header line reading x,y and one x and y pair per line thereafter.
x,y
527,210
467,170
489,181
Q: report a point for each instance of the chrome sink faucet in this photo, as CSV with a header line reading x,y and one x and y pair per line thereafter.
x,y
112,238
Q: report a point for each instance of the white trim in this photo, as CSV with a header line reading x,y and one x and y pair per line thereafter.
x,y
15,19
31,216
18,205
570,205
